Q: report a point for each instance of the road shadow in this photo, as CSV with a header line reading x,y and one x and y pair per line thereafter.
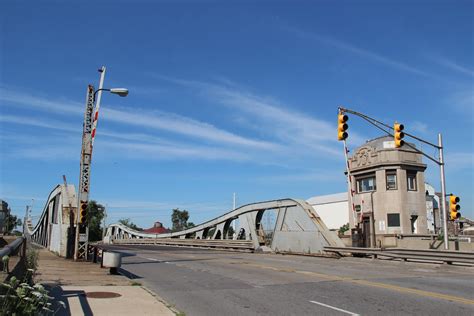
x,y
128,274
165,261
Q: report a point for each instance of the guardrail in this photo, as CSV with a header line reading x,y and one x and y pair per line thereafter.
x,y
241,245
439,256
11,249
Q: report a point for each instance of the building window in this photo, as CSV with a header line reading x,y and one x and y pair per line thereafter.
x,y
411,181
391,178
366,184
393,220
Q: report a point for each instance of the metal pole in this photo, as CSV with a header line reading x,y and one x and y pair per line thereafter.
x,y
349,184
84,172
233,222
97,103
443,193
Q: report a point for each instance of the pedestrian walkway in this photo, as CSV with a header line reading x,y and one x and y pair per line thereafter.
x,y
87,289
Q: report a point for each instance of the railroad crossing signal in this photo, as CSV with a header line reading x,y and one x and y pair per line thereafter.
x,y
83,214
454,207
342,126
398,135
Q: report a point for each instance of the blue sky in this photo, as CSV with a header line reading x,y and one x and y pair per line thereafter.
x,y
226,97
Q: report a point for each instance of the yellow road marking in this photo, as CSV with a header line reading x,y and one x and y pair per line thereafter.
x,y
370,283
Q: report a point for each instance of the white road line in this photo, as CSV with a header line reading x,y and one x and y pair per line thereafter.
x,y
335,308
152,259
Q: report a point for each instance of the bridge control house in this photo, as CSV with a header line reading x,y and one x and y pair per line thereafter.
x,y
388,193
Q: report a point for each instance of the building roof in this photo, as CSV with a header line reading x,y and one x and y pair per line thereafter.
x,y
385,142
156,230
330,198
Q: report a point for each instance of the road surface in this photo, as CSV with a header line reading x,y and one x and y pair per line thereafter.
x,y
211,282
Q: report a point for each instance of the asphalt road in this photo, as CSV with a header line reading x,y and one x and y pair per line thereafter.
x,y
211,282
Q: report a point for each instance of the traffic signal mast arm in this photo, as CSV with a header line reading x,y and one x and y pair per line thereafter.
x,y
379,125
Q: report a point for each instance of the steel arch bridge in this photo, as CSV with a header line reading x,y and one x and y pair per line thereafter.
x,y
298,228
54,229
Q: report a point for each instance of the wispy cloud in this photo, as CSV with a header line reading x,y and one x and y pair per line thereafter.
x,y
418,127
11,96
182,125
454,66
165,152
459,160
290,127
159,120
358,51
24,120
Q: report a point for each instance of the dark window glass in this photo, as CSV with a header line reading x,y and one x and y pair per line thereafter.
x,y
366,184
393,220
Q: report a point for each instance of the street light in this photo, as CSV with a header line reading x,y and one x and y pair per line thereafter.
x,y
122,92
90,124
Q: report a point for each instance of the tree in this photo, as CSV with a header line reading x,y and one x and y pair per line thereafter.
x,y
11,222
343,229
180,220
95,215
127,222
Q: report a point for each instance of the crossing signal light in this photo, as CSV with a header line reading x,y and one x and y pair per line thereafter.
x,y
342,127
83,213
454,207
398,135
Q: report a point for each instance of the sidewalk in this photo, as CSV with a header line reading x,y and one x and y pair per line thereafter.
x,y
87,289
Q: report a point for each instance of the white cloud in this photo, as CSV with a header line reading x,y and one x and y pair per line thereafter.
x,y
459,160
33,101
293,129
454,66
169,122
358,51
417,127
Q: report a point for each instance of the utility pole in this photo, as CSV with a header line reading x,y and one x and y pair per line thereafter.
x,y
81,240
443,193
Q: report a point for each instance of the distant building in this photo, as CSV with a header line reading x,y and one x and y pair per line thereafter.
x,y
432,209
157,229
4,211
332,208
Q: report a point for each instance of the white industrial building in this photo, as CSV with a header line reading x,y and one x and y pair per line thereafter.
x,y
333,209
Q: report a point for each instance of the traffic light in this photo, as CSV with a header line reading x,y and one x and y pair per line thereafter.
x,y
342,126
454,207
83,213
398,135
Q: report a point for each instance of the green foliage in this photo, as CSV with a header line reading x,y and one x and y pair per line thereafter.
x,y
127,222
230,232
95,215
32,259
343,229
180,220
11,222
25,299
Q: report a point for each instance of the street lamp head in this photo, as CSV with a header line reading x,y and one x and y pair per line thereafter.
x,y
120,91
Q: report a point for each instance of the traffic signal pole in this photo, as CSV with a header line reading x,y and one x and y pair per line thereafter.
x,y
439,161
443,194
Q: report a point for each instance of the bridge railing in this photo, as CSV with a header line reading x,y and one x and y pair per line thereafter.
x,y
17,247
426,255
242,245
